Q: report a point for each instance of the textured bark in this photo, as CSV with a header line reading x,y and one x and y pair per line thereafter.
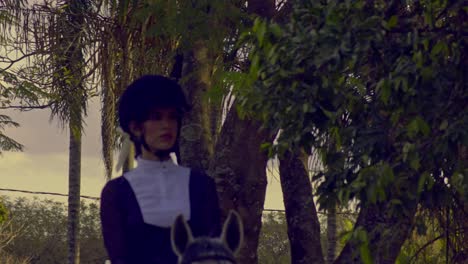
x,y
215,120
238,167
196,144
386,233
74,186
331,234
74,97
301,214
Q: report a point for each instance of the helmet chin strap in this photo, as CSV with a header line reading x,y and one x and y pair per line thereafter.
x,y
161,154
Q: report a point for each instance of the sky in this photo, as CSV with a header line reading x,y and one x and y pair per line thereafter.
x,y
43,165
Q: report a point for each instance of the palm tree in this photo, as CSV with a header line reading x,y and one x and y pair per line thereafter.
x,y
58,33
71,108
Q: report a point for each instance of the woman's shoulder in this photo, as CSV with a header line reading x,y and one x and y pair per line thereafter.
x,y
115,186
200,178
199,174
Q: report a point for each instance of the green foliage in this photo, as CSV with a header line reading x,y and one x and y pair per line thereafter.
x,y
387,85
185,22
359,235
378,88
425,245
42,231
14,90
3,212
7,143
274,244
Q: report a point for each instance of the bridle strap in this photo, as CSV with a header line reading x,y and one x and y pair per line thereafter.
x,y
226,258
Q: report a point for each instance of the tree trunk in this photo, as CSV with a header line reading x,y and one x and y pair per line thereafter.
x,y
196,144
386,233
74,186
239,169
74,95
301,215
331,234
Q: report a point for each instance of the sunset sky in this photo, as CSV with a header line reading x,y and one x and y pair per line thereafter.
x,y
43,166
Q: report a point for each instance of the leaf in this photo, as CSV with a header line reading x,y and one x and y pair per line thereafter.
x,y
343,195
347,225
387,173
407,148
415,162
365,254
372,194
422,181
456,180
418,59
345,236
259,29
385,91
443,125
392,22
428,18
423,126
364,251
418,125
412,128
276,30
438,48
265,146
426,44
254,66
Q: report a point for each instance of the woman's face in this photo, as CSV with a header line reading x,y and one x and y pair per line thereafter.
x,y
159,130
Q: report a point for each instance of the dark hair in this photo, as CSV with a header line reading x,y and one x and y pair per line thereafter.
x,y
146,93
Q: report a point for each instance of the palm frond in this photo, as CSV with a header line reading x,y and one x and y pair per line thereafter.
x,y
6,121
9,144
108,112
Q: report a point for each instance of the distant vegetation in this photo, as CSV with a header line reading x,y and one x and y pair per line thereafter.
x,y
39,227
35,232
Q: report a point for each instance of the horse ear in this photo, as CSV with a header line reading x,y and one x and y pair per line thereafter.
x,y
233,232
181,235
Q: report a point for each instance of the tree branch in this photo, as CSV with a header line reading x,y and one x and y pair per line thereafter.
x,y
28,108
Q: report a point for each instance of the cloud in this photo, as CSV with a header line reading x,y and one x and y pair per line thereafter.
x,y
40,135
48,173
43,166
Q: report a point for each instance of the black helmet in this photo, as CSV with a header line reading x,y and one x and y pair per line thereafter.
x,y
146,93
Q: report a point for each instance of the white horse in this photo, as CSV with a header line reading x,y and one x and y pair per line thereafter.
x,y
206,250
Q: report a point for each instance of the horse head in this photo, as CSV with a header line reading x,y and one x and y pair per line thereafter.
x,y
207,250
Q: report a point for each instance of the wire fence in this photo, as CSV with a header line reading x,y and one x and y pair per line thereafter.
x,y
47,193
97,199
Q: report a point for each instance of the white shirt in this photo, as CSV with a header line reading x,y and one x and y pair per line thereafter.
x,y
162,191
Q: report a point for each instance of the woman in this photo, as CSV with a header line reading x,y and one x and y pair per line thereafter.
x,y
138,208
